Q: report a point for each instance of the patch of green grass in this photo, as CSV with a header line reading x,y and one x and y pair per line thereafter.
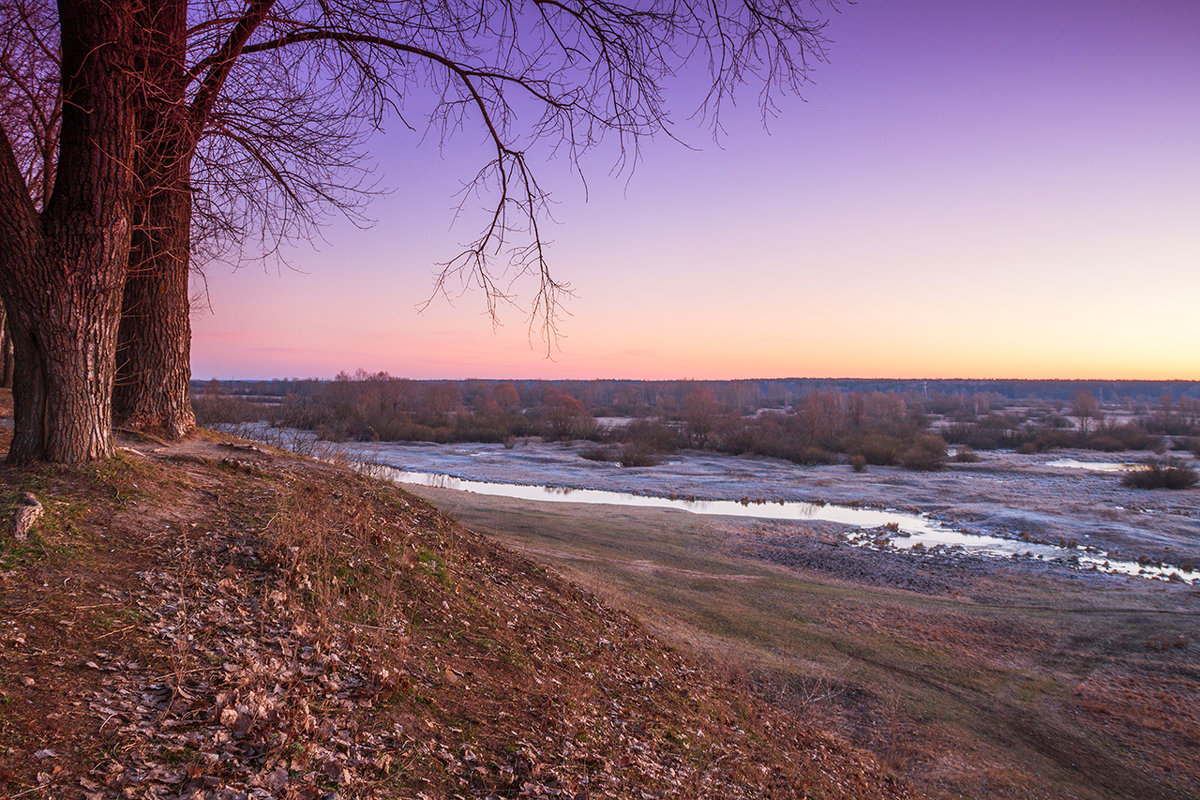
x,y
16,555
434,565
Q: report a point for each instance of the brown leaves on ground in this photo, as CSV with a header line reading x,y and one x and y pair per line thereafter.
x,y
217,622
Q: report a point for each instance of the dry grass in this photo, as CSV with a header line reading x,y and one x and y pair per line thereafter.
x,y
989,684
213,618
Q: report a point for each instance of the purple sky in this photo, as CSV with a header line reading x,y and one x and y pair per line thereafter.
x,y
968,189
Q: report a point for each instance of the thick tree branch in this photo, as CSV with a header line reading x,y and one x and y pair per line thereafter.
x,y
18,216
223,62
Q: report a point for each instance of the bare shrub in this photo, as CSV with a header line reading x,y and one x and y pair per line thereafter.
x,y
981,437
653,436
635,456
966,455
599,453
214,406
878,449
1115,438
628,455
1168,474
927,452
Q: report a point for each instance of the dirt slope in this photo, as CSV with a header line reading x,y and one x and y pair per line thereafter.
x,y
215,621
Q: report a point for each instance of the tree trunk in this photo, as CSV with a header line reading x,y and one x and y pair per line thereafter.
x,y
61,270
62,385
6,352
152,391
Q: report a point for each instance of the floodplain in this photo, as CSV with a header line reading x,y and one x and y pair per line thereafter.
x,y
970,674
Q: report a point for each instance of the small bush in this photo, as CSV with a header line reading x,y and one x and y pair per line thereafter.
x,y
212,409
327,433
927,452
858,463
812,456
879,449
1051,440
652,436
983,436
1122,437
1169,474
634,456
598,453
965,455
1105,444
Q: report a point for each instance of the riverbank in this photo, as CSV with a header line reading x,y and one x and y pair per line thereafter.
x,y
1005,494
970,676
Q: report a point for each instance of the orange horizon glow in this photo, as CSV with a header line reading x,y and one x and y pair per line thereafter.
x,y
937,208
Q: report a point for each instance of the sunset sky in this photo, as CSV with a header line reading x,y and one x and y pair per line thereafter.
x,y
966,189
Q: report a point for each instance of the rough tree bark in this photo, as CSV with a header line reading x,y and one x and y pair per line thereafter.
x,y
153,362
6,352
152,390
62,270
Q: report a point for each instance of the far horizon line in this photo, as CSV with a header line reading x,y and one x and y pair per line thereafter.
x,y
724,380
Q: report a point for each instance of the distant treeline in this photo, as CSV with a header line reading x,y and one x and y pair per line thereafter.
x,y
639,422
627,397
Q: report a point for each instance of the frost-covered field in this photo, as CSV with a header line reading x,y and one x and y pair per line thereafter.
x,y
1004,494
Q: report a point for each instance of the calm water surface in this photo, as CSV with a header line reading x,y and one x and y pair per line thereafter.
x,y
910,529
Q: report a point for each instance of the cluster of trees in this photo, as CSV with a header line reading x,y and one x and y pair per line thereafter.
x,y
1051,431
638,423
1084,423
1174,417
874,427
380,408
880,428
140,137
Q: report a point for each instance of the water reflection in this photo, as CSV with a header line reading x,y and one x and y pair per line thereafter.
x,y
1095,466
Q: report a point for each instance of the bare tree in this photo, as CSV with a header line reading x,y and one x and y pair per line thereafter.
x,y
30,97
565,415
483,62
62,265
542,73
277,152
271,160
30,103
154,338
1086,407
700,413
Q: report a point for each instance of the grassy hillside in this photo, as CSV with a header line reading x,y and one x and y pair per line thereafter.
x,y
970,678
214,620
